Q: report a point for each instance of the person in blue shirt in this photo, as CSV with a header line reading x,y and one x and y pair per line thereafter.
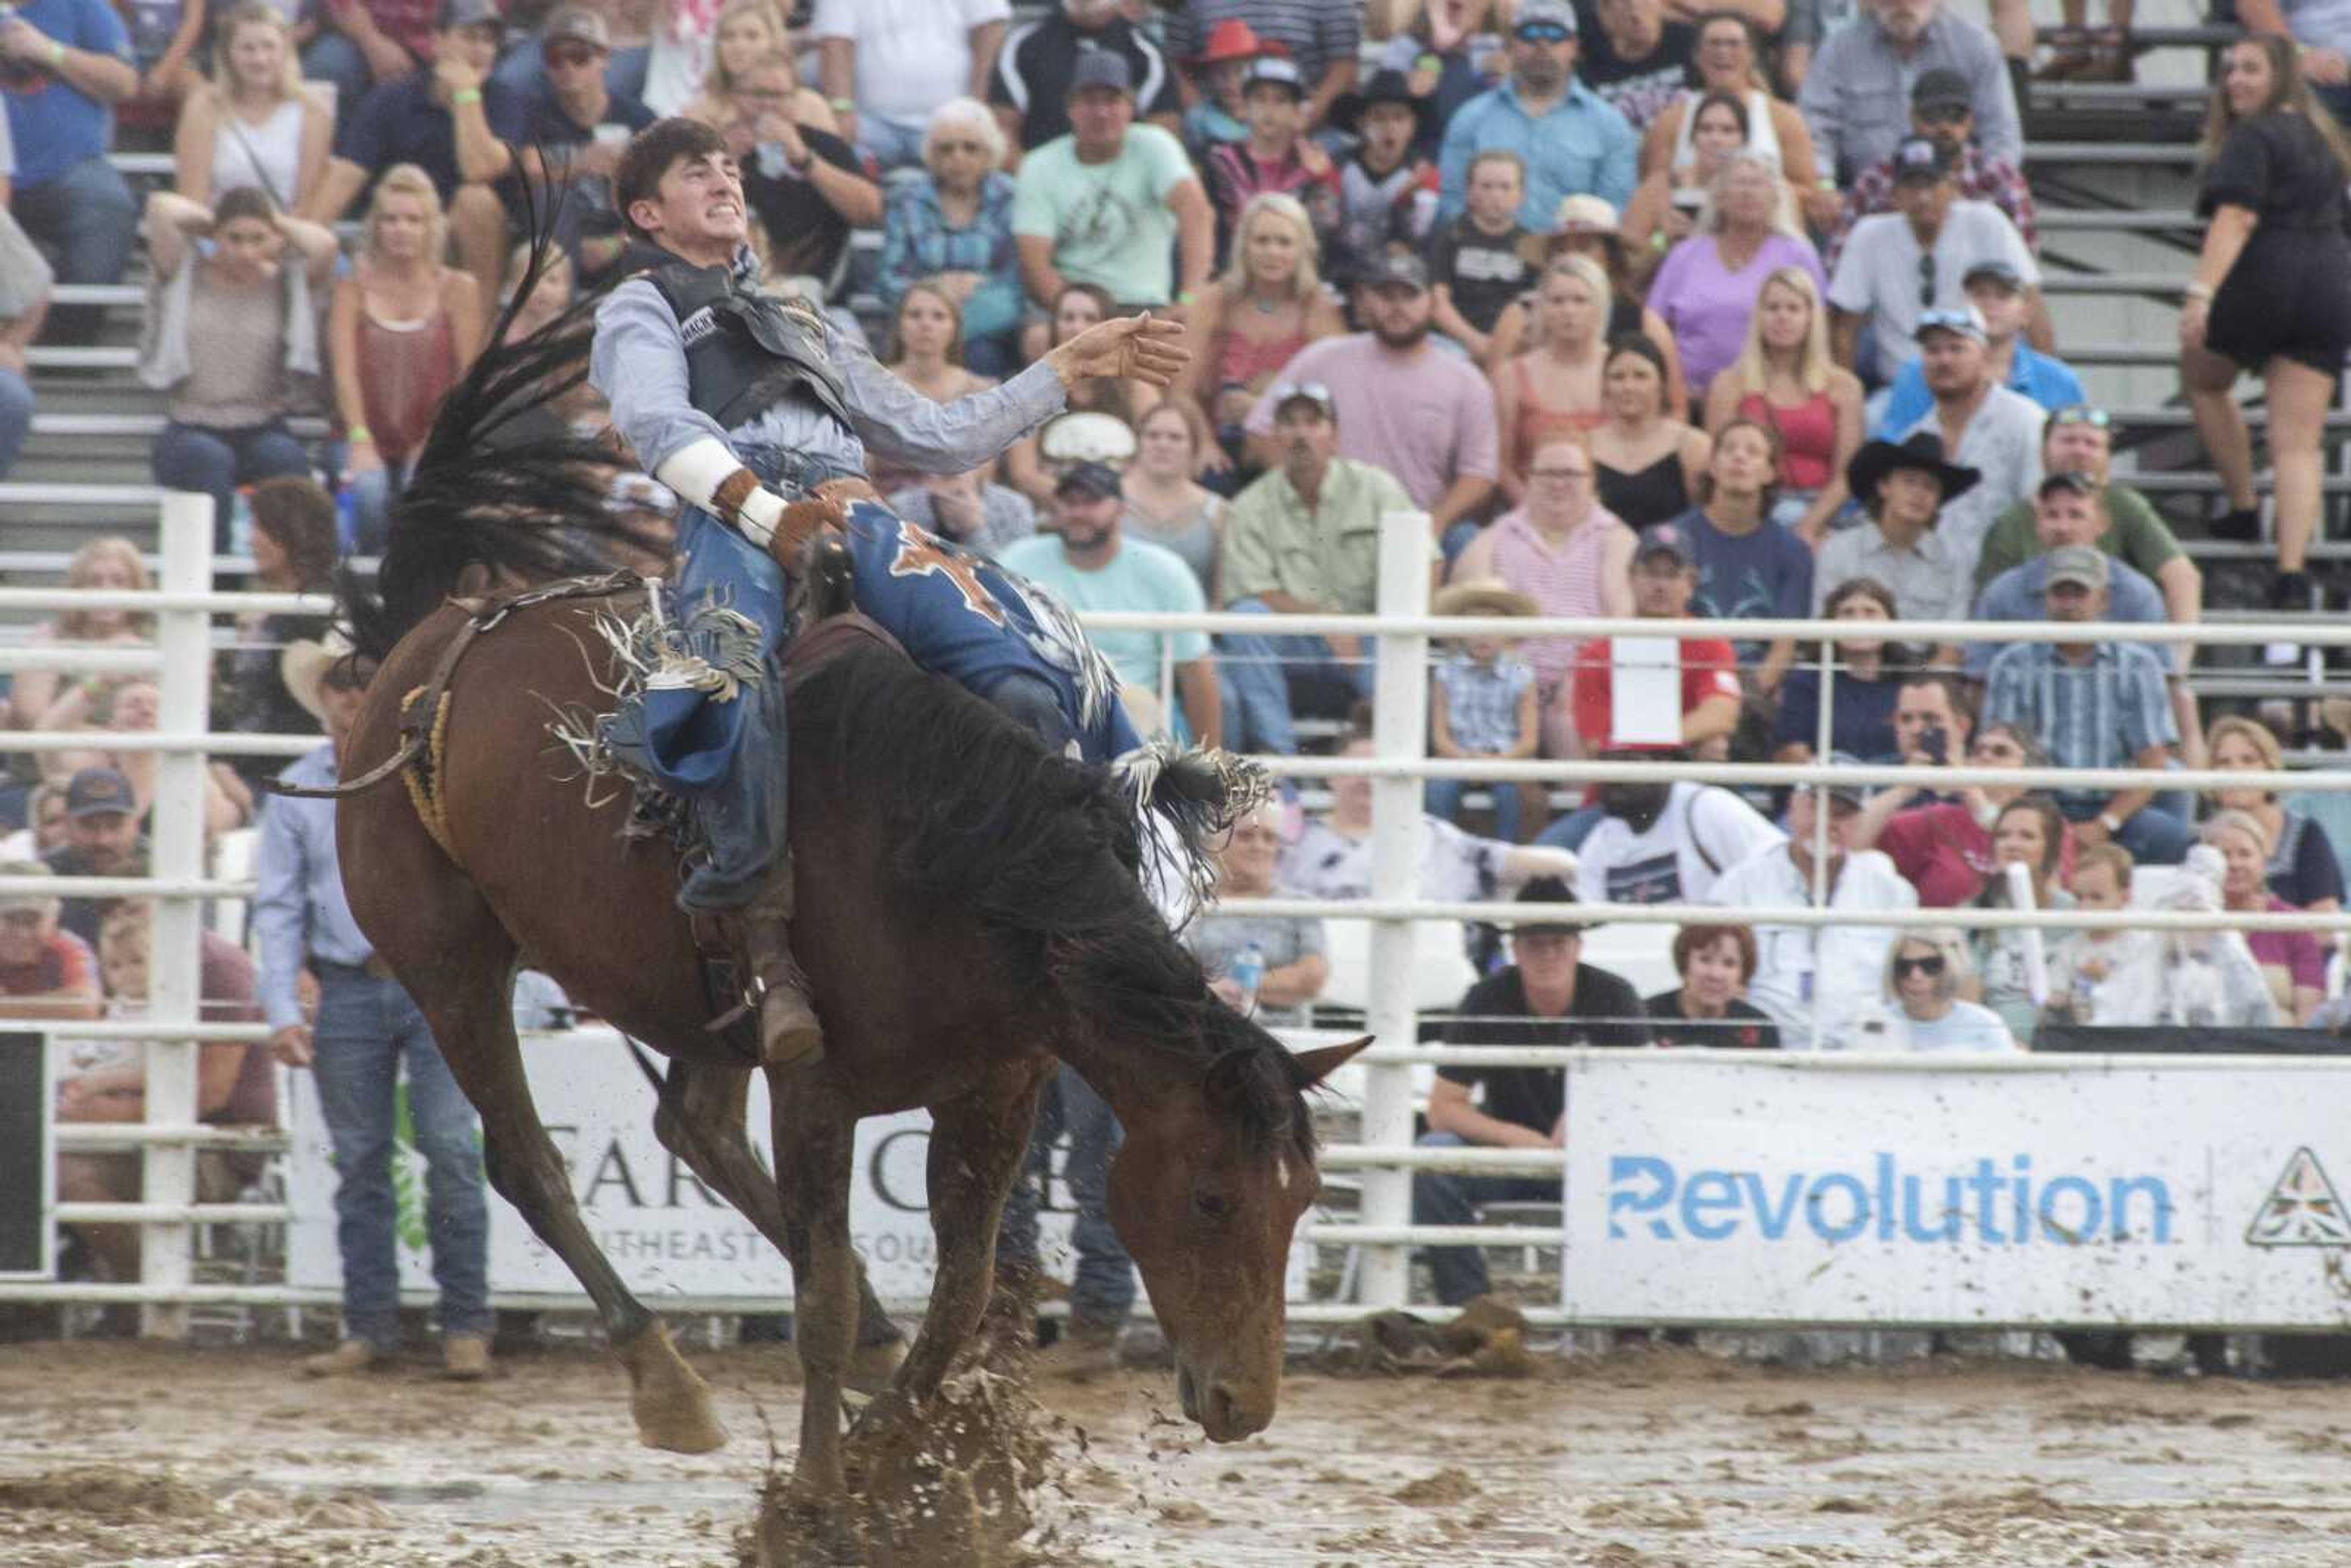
x,y
2006,300
64,65
1571,142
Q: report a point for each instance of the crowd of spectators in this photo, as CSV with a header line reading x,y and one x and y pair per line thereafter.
x,y
1725,314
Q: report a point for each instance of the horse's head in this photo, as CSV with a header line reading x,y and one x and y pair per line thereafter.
x,y
1206,1193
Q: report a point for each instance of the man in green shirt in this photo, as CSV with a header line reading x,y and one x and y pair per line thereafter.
x,y
1305,538
1089,564
1105,204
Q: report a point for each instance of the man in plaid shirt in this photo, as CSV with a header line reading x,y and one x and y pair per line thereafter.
x,y
1941,109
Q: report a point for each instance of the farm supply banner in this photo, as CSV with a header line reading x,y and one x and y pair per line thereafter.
x,y
2179,1193
664,1232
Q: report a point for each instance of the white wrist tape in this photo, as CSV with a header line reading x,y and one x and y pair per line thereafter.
x,y
759,515
696,469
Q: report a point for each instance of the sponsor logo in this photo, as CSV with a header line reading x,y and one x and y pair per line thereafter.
x,y
696,326
2301,1209
1988,1202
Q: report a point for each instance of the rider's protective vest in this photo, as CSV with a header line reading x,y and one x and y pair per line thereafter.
x,y
745,350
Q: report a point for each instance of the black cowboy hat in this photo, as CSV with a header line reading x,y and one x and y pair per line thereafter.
x,y
1922,450
1386,86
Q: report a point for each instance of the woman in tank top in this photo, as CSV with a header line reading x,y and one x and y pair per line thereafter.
x,y
253,124
1725,62
1164,503
404,329
1552,391
1269,304
925,351
1665,208
748,33
1587,226
1783,378
1646,463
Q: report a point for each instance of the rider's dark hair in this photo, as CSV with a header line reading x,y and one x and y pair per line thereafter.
x,y
650,156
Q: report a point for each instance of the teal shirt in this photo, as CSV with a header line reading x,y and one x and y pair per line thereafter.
x,y
1141,576
1110,222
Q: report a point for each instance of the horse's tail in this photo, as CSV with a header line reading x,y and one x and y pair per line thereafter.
x,y
1184,801
500,483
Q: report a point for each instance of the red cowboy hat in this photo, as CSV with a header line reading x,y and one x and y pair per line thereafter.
x,y
1229,40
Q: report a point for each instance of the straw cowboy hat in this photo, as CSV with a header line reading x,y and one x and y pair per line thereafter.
x,y
303,667
1482,596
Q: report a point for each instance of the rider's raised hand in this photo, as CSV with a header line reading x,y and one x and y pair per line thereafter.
x,y
1138,348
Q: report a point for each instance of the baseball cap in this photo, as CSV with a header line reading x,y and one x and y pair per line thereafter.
x,y
1993,269
1278,69
1548,890
11,901
1965,319
1544,14
1848,795
470,14
98,790
1101,67
1099,480
1667,540
577,25
1920,158
1586,213
1287,392
2071,482
1942,87
2079,565
1401,267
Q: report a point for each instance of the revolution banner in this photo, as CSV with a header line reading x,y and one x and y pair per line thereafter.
x,y
2098,1192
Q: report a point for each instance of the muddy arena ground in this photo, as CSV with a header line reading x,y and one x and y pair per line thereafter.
x,y
162,1456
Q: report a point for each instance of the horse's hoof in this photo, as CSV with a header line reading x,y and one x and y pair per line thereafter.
x,y
682,1431
669,1399
873,1368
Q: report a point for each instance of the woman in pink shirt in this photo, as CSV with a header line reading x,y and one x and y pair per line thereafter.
x,y
1944,849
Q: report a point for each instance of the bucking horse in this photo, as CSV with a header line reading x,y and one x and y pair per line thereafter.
x,y
969,911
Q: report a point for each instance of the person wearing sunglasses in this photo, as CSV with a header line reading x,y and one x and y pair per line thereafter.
x,y
1942,109
1854,92
1571,142
1926,970
578,127
1899,265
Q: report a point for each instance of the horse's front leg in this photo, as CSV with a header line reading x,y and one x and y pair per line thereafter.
x,y
815,1140
977,1145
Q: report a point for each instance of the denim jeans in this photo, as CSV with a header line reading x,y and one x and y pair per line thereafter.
x,y
889,144
16,417
373,493
1104,1293
367,1030
85,219
1255,674
1444,800
2154,836
196,457
1443,1198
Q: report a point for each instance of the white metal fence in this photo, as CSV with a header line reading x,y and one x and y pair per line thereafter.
x,y
1384,1153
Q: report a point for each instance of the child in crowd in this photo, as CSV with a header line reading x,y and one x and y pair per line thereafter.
x,y
1220,117
2085,961
1388,191
1277,156
1485,258
1482,702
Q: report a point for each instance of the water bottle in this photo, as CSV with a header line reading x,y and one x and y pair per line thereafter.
x,y
1247,972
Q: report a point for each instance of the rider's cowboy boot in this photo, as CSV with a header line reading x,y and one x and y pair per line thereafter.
x,y
789,1035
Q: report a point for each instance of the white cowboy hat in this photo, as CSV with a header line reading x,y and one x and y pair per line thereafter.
x,y
303,667
1086,437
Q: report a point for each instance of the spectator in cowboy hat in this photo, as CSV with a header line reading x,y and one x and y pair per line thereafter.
x,y
103,838
1325,40
1482,701
1217,115
1547,996
1387,190
1902,486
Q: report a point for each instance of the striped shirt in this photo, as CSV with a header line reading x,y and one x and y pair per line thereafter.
x,y
1562,578
1316,33
1481,702
2101,714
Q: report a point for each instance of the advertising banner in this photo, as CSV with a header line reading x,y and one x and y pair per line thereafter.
x,y
2104,1192
666,1234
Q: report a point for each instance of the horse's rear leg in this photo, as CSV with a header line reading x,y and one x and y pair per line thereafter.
x,y
701,1121
815,1141
468,1005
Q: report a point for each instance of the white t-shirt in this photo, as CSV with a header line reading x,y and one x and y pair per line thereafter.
x,y
1703,831
1455,867
1877,273
1966,1028
2002,442
1843,966
911,55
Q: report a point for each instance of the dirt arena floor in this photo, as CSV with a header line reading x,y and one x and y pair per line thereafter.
x,y
161,1456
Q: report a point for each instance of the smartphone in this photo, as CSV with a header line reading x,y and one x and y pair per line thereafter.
x,y
1936,742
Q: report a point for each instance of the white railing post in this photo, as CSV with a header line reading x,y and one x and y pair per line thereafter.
x,y
1399,733
183,637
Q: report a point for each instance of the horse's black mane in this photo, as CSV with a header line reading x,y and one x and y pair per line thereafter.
x,y
500,483
1044,850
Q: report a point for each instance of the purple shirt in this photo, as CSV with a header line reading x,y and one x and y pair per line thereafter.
x,y
1707,305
